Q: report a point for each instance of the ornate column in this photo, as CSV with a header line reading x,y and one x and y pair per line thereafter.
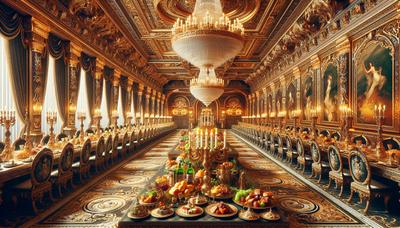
x,y
73,87
98,75
128,113
257,106
158,112
153,103
115,89
140,108
40,32
163,113
147,104
296,75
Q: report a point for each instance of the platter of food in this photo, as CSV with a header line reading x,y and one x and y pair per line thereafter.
x,y
150,198
270,216
248,215
221,192
138,212
189,211
199,200
221,210
181,187
162,212
254,198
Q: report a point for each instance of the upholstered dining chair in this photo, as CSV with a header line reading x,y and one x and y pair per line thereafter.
x,y
2,145
81,168
336,135
34,190
268,141
363,184
291,154
361,139
123,145
77,133
338,173
282,149
108,151
325,133
96,161
45,139
61,136
274,144
89,131
132,143
62,176
115,145
320,165
391,144
304,160
19,143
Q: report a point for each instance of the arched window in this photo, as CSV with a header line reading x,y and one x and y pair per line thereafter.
x,y
120,110
7,101
50,99
83,103
105,120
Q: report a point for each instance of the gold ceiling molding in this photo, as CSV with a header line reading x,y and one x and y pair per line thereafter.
x,y
171,10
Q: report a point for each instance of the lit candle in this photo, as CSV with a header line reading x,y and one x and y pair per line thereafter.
x,y
201,138
211,139
206,139
216,136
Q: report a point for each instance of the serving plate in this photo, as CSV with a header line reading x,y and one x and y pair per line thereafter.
x,y
211,208
182,212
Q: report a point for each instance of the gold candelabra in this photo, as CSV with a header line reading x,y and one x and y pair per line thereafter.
x,y
7,120
97,118
347,117
314,117
295,114
380,117
81,118
51,119
114,118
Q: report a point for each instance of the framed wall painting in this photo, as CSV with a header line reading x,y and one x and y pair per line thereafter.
x,y
278,101
375,78
330,91
291,98
308,93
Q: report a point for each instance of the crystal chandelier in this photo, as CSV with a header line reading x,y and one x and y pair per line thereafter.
x,y
207,87
207,39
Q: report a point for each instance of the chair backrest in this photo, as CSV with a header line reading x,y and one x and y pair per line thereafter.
x,y
108,147
100,148
140,135
300,147
279,140
289,145
362,139
315,152
42,166
18,143
391,144
61,136
359,168
115,143
77,133
306,129
335,159
324,133
2,145
336,135
89,131
66,159
85,152
125,140
45,139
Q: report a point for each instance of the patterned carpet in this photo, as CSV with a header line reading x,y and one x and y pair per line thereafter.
x,y
303,205
107,201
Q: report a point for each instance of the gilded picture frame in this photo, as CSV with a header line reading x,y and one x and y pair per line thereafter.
x,y
329,91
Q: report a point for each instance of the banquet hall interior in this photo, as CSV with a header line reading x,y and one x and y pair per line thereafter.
x,y
199,113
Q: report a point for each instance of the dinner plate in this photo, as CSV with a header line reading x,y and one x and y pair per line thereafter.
x,y
156,214
257,208
131,216
270,216
147,204
210,210
223,197
242,214
182,212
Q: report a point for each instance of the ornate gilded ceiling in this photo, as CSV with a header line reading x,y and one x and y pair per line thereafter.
x,y
149,22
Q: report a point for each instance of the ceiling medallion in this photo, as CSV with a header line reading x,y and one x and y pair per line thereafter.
x,y
207,39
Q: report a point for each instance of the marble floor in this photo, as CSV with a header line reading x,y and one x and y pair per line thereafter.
x,y
103,204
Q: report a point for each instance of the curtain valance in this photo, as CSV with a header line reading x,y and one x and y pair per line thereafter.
x,y
88,63
58,48
11,22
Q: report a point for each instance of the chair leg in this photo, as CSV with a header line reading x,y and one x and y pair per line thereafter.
x,y
320,177
351,196
368,199
341,190
329,184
